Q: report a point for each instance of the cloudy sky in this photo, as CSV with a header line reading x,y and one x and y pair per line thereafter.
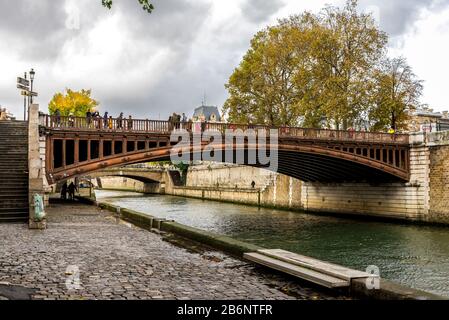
x,y
152,65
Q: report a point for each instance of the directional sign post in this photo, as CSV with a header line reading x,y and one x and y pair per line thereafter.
x,y
23,82
24,85
28,93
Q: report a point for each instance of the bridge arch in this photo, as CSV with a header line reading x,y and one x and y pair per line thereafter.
x,y
305,162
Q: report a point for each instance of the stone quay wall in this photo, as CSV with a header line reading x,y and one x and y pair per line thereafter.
x,y
233,183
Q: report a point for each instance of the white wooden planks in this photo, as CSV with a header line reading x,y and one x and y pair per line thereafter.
x,y
315,264
295,270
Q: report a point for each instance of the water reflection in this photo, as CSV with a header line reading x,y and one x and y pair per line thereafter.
x,y
417,256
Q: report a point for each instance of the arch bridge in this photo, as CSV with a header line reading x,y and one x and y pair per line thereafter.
x,y
146,175
79,146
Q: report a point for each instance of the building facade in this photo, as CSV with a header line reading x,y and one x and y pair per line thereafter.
x,y
207,114
427,120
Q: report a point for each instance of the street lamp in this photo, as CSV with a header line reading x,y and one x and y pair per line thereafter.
x,y
32,74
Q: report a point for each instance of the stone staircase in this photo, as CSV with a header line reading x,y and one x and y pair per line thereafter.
x,y
13,171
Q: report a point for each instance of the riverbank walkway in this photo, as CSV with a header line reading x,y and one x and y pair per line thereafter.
x,y
86,253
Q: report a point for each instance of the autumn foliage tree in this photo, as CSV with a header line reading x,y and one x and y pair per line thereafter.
x,y
397,92
314,70
261,89
76,103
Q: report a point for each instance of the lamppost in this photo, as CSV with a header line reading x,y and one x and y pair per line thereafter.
x,y
32,74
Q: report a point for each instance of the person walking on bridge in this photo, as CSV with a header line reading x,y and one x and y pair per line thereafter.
x,y
88,118
105,120
110,123
120,121
130,123
58,117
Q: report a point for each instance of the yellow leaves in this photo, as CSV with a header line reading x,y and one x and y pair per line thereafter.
x,y
76,103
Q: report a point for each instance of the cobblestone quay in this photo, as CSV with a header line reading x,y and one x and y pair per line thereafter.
x,y
87,254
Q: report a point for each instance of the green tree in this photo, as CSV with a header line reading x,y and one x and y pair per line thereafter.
x,y
347,51
308,69
261,88
183,169
146,5
76,103
397,92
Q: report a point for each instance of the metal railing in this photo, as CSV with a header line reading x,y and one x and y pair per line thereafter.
x,y
166,127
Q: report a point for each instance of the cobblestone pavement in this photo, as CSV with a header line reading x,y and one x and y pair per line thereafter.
x,y
87,254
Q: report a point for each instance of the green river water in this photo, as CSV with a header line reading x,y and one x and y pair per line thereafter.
x,y
414,255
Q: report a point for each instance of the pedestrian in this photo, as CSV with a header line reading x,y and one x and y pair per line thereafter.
x,y
71,190
130,123
178,121
184,121
97,120
71,120
64,191
120,121
203,126
58,117
170,123
189,125
88,118
105,120
351,131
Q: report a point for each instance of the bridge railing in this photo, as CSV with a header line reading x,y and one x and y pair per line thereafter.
x,y
166,127
101,124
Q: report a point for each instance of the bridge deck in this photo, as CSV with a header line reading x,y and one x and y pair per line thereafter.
x,y
78,146
128,126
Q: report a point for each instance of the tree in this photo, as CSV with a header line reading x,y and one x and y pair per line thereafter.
x,y
347,51
146,5
397,92
183,169
309,68
77,103
261,88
